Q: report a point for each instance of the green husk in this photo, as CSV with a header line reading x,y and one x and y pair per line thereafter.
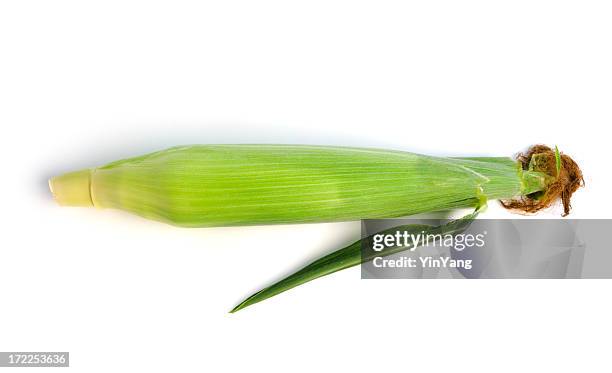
x,y
557,160
226,185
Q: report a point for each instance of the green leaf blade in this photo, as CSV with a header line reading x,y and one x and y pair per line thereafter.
x,y
350,256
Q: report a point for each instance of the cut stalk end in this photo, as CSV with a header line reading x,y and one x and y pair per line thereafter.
x,y
72,189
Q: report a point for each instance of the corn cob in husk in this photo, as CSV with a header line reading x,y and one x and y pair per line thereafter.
x,y
227,185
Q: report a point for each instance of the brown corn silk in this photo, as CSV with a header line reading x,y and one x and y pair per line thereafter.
x,y
565,181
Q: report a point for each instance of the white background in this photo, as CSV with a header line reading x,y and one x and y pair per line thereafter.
x,y
84,83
